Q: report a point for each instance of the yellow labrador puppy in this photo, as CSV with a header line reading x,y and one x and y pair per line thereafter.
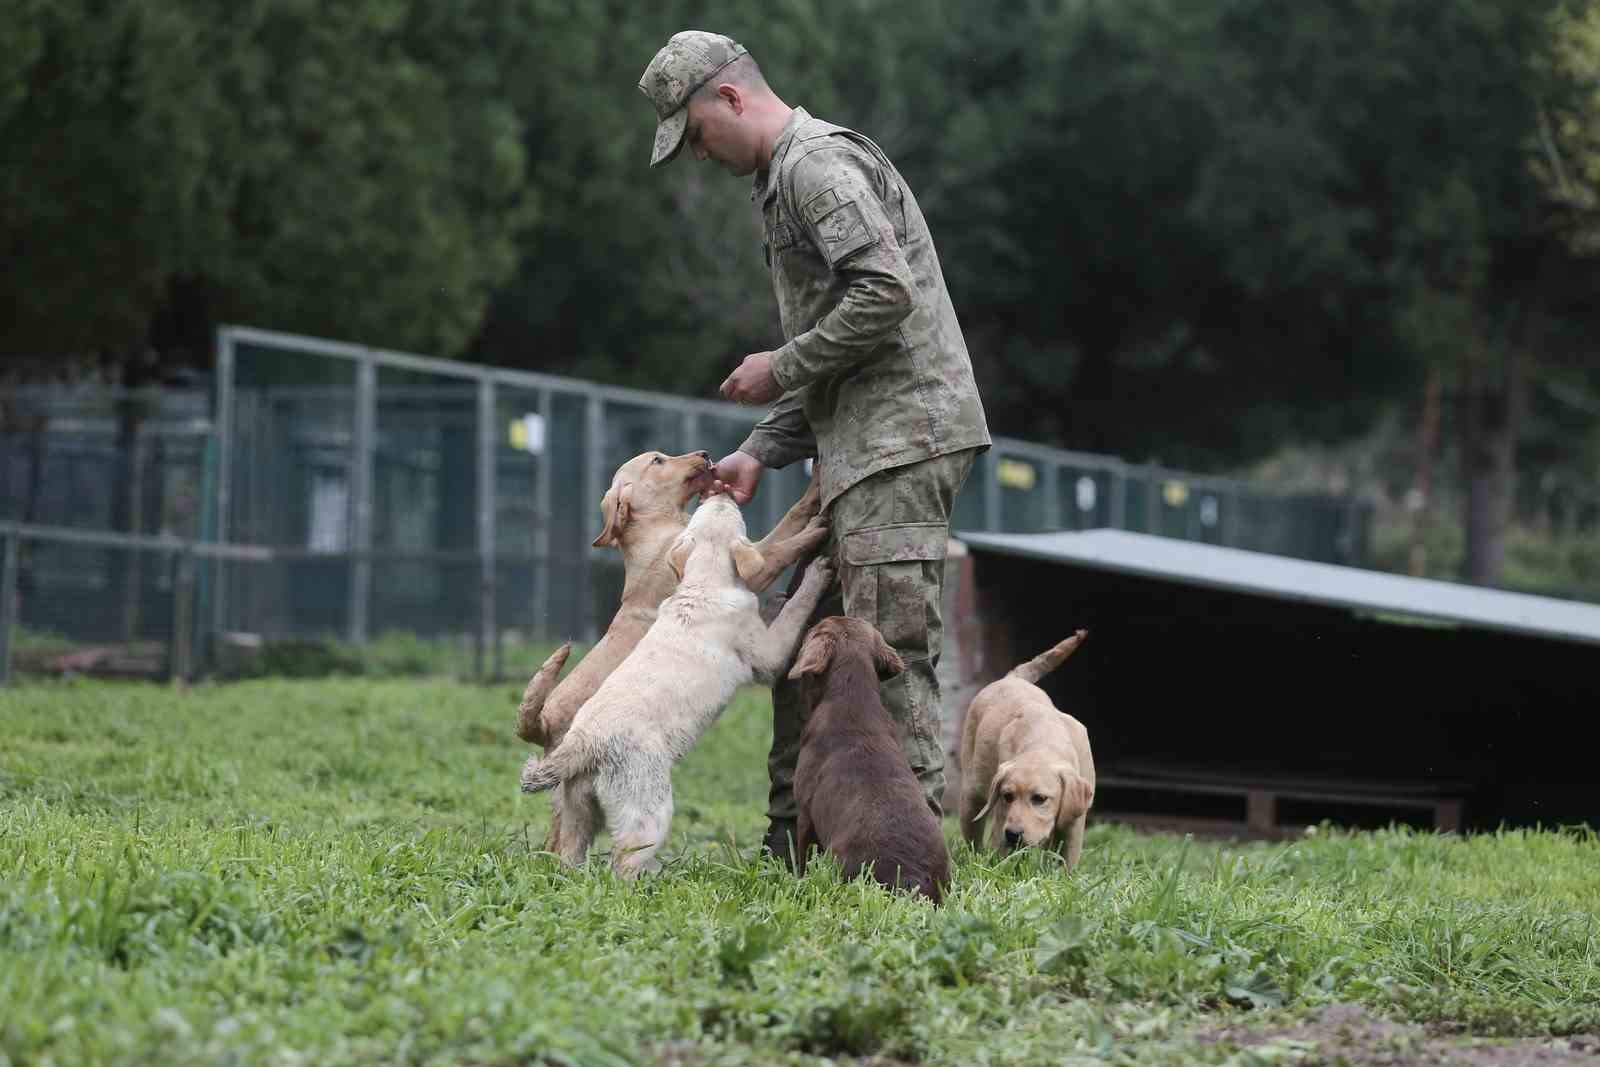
x,y
1025,764
615,764
644,511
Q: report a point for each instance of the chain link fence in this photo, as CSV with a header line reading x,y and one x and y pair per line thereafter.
x,y
333,491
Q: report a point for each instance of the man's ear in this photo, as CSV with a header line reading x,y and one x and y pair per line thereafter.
x,y
1000,774
884,658
615,509
678,556
748,561
1076,796
815,654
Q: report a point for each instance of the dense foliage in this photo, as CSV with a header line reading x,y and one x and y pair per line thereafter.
x,y
1189,231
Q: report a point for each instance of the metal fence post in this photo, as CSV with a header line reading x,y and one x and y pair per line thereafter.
x,y
10,548
691,431
1152,499
488,631
541,518
1117,509
361,498
594,478
991,492
1052,495
224,423
183,618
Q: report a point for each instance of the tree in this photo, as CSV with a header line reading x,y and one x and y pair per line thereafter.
x,y
321,167
347,169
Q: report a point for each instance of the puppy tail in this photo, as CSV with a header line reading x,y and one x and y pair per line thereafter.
x,y
574,756
1045,662
530,727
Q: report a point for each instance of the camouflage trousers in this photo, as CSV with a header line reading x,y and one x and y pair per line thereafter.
x,y
887,537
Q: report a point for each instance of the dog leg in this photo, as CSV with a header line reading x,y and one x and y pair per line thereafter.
x,y
971,826
773,649
779,556
799,515
804,839
640,829
581,820
771,607
529,727
1072,842
552,839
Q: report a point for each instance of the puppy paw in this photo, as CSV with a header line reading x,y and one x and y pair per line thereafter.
x,y
815,532
818,575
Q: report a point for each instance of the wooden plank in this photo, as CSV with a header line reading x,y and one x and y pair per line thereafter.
x,y
1261,802
1261,809
1247,777
1447,816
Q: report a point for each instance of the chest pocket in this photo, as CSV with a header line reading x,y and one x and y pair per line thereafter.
x,y
778,233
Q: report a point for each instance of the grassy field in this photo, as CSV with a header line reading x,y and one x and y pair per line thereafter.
x,y
343,872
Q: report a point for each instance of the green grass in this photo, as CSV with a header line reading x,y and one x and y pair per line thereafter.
x,y
343,872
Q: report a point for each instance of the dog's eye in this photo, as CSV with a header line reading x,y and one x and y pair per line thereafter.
x,y
1037,798
1008,796
654,461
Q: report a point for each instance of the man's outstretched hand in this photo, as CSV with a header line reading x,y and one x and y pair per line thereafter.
x,y
752,381
737,474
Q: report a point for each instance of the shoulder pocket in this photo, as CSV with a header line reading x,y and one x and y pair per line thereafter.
x,y
840,226
896,543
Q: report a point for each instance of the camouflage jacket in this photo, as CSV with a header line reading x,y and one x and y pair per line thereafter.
x,y
874,369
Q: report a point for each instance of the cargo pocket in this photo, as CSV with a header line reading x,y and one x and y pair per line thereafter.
x,y
894,543
892,577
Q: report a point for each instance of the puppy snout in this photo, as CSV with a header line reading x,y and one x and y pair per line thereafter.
x,y
1013,837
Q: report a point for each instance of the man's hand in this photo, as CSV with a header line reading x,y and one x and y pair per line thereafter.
x,y
752,382
738,475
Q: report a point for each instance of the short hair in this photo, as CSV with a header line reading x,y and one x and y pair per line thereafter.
x,y
744,72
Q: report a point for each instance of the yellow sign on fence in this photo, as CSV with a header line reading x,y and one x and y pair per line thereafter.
x,y
1015,474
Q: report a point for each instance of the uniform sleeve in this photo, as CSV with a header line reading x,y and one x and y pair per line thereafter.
x,y
783,436
833,196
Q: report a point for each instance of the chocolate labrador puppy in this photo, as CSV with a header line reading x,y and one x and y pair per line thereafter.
x,y
858,797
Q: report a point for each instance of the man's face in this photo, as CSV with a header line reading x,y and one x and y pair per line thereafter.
x,y
717,130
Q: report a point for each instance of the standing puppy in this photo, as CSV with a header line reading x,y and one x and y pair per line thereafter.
x,y
859,800
615,763
1026,764
645,510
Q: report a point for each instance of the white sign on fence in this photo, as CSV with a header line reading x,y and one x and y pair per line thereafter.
x,y
527,433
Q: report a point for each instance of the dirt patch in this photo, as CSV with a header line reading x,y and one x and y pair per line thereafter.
x,y
1348,1033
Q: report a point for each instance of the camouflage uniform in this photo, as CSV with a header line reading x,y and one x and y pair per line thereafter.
x,y
877,386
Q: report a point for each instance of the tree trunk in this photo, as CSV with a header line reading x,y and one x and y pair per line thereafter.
x,y
1491,410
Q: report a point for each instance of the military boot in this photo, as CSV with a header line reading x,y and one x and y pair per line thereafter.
x,y
780,840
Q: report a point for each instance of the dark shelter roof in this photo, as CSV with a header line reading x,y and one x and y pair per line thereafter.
x,y
1392,597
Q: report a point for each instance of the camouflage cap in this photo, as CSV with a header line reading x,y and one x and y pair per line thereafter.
x,y
689,60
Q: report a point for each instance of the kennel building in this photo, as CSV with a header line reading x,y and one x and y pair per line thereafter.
x,y
1230,690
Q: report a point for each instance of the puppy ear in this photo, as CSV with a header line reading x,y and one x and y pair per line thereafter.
x,y
815,654
748,561
1076,796
886,659
678,555
1000,774
615,509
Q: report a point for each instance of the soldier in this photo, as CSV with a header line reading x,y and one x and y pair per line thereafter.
x,y
873,379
